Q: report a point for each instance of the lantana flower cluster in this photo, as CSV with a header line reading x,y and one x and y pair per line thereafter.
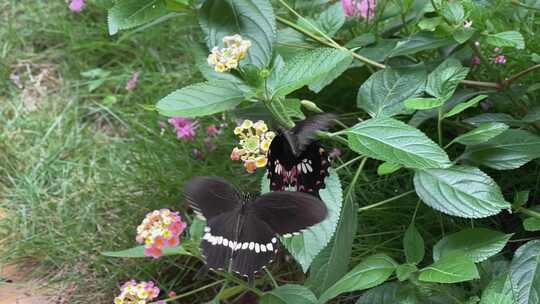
x,y
137,293
160,229
255,142
184,127
227,58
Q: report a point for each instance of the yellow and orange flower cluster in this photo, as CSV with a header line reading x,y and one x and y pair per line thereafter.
x,y
160,229
137,293
227,58
255,142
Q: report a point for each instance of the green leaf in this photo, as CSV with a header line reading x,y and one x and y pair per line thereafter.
x,y
333,262
404,271
430,24
387,293
531,224
493,117
421,103
462,35
196,229
525,273
334,73
453,12
509,150
201,99
464,106
305,247
126,14
306,68
460,191
533,115
452,268
393,141
289,293
498,291
506,39
478,244
331,19
520,199
371,272
482,133
252,19
443,81
413,244
387,168
384,93
138,252
286,110
418,42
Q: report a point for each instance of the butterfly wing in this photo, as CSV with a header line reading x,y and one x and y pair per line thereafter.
x,y
304,131
287,212
211,196
218,241
312,169
255,248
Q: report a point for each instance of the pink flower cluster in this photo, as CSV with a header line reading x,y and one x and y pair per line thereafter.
x,y
160,229
77,5
184,127
498,57
363,8
137,293
132,82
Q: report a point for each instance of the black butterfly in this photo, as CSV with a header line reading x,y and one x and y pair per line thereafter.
x,y
296,160
242,229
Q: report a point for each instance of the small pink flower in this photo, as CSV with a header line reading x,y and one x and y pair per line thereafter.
x,y
77,5
212,130
209,144
250,165
475,60
132,82
335,153
499,59
497,50
154,252
185,127
363,8
235,154
171,294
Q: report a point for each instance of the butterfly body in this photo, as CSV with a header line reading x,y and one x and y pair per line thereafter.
x,y
296,160
242,230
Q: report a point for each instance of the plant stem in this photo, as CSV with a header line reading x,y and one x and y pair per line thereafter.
x,y
439,126
388,200
349,162
516,2
194,291
274,283
529,212
332,136
520,74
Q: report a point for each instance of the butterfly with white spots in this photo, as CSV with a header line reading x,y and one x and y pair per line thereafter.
x,y
296,159
242,229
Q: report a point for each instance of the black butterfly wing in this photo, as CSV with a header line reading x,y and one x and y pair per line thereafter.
x,y
218,241
255,248
312,169
303,133
280,161
211,195
287,212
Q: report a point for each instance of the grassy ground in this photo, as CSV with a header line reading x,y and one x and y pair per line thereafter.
x,y
79,169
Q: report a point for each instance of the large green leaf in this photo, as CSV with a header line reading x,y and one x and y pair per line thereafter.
x,y
384,93
453,12
331,19
418,42
507,39
289,293
333,262
525,273
531,224
464,106
477,243
201,99
460,191
452,268
511,149
305,246
308,67
413,245
482,133
420,103
253,19
126,14
394,141
332,74
387,293
371,272
443,81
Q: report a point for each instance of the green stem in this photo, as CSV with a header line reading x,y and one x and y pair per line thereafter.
x,y
516,2
349,162
274,283
529,212
332,136
439,126
191,292
388,200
